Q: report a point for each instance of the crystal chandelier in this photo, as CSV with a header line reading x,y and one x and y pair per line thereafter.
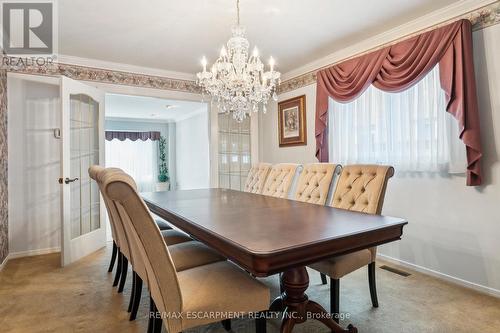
x,y
236,81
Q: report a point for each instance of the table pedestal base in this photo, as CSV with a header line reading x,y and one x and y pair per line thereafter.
x,y
297,307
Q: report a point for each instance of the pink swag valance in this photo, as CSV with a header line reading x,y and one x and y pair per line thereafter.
x,y
400,66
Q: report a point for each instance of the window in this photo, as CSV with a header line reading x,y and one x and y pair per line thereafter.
x,y
410,130
234,152
137,158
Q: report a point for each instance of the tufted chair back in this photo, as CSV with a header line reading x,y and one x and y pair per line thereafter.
x,y
257,178
314,182
280,180
362,188
162,276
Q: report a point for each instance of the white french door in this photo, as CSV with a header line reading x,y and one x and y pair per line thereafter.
x,y
83,224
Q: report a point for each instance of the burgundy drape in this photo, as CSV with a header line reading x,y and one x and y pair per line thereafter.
x,y
400,66
134,136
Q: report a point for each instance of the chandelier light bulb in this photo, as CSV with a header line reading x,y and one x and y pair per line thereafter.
x,y
271,63
204,63
255,52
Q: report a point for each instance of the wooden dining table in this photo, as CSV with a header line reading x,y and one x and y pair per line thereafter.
x,y
266,236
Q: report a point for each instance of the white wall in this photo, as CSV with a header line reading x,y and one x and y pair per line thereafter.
x,y
192,152
453,229
34,167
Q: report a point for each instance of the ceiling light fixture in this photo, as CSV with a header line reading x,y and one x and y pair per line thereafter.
x,y
237,81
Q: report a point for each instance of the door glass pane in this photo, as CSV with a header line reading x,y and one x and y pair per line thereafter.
x,y
85,201
234,152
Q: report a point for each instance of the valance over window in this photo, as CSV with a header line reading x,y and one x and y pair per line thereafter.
x,y
400,66
133,136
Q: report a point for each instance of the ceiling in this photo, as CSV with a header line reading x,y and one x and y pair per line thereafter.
x,y
150,108
174,34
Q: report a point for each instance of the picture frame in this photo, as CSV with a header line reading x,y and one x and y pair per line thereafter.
x,y
292,127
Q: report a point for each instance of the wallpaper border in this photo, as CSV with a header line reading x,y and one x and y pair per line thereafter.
x,y
101,75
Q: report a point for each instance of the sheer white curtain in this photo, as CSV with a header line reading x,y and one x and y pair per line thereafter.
x,y
137,158
410,130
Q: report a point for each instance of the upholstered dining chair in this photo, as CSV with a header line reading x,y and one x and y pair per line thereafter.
x,y
281,179
315,182
359,188
123,245
185,254
219,287
257,177
93,170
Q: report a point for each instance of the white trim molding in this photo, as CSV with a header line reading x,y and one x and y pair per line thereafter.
x,y
31,253
427,271
4,263
482,14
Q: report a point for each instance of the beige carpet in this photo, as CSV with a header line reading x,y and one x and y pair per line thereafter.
x,y
36,295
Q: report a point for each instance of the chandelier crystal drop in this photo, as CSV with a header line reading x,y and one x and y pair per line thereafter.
x,y
237,81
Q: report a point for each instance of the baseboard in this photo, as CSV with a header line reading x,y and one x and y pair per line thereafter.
x,y
2,265
464,283
31,253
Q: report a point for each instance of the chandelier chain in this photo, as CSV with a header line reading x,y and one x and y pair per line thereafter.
x,y
238,11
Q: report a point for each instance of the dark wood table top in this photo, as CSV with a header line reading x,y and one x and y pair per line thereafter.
x,y
267,235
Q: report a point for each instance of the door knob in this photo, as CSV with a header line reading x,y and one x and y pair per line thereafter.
x,y
67,180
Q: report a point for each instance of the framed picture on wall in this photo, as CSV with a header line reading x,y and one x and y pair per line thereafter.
x,y
292,122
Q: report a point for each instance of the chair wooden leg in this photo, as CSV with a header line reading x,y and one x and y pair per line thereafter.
x,y
323,278
373,284
260,325
118,269
157,321
132,293
281,285
226,324
113,258
123,276
151,319
335,298
137,297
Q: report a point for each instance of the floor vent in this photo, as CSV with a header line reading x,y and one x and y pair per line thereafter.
x,y
395,270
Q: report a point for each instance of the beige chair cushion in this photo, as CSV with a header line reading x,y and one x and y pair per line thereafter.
x,y
162,224
314,183
192,254
339,266
174,236
280,179
362,188
220,287
257,178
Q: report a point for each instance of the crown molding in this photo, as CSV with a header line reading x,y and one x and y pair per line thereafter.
x,y
482,13
115,66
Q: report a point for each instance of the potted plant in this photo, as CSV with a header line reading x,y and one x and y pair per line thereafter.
x,y
163,177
